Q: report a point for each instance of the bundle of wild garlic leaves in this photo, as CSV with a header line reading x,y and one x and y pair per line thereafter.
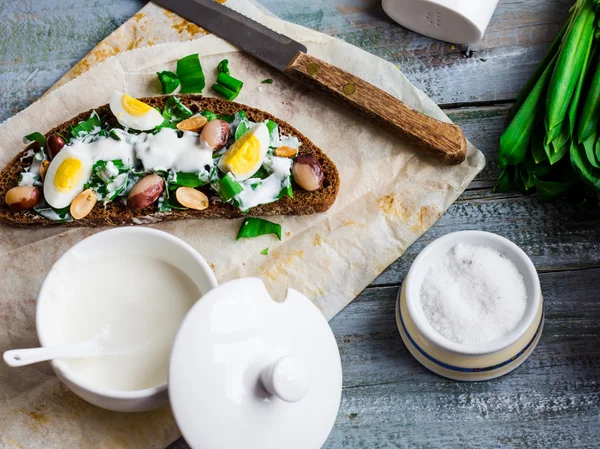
x,y
552,144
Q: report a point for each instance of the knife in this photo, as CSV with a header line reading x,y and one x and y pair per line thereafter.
x,y
443,141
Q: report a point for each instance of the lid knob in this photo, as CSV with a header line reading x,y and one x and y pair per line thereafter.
x,y
286,378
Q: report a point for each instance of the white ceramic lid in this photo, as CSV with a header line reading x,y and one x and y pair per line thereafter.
x,y
249,372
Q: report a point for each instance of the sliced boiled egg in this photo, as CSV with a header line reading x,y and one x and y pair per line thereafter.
x,y
246,155
134,114
67,174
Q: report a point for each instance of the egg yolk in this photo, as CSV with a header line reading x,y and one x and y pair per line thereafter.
x,y
68,174
243,155
134,106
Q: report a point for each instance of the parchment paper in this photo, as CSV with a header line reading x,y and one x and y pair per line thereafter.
x,y
389,196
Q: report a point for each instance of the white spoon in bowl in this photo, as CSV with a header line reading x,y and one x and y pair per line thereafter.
x,y
99,345
96,346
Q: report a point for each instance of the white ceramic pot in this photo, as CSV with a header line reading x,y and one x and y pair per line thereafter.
x,y
457,21
454,360
131,241
244,370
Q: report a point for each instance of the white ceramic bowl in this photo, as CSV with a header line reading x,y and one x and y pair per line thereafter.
x,y
129,241
458,361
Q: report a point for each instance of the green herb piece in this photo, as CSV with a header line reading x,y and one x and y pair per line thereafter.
x,y
254,227
227,187
185,179
35,137
59,215
267,81
224,92
86,127
265,251
189,71
174,112
229,82
209,115
169,81
287,190
223,66
242,128
273,133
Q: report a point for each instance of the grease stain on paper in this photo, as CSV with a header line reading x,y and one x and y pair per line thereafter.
x,y
318,240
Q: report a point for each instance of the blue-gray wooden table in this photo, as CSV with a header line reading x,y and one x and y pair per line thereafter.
x,y
389,400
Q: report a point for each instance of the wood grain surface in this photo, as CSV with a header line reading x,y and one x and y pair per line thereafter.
x,y
389,401
442,141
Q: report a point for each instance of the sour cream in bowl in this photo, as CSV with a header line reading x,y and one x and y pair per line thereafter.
x,y
132,287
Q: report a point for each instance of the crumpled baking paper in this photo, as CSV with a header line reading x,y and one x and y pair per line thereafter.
x,y
389,196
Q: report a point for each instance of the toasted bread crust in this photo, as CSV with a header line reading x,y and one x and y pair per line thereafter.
x,y
117,213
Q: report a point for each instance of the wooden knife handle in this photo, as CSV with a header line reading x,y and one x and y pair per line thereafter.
x,y
443,141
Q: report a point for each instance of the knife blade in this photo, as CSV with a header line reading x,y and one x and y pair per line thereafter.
x,y
443,141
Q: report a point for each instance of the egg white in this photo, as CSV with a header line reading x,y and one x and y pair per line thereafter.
x,y
261,132
146,122
53,196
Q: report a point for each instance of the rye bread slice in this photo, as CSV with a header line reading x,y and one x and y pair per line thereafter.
x,y
117,213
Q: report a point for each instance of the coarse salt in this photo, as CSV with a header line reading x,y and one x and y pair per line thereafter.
x,y
473,295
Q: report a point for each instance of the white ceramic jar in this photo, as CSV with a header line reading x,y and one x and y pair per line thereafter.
x,y
454,360
457,21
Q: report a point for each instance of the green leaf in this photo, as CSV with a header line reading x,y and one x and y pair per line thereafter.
x,y
224,92
189,71
59,215
286,191
169,81
254,227
591,108
90,126
223,67
538,150
184,179
242,128
265,251
227,187
267,81
209,115
174,112
514,142
35,137
590,150
571,60
582,166
549,190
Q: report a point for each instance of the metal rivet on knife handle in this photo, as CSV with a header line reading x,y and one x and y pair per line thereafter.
x,y
443,141
349,88
313,68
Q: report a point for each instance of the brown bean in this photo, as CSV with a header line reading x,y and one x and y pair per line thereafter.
x,y
83,204
285,151
145,192
191,198
193,124
23,197
215,133
43,169
55,143
307,172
